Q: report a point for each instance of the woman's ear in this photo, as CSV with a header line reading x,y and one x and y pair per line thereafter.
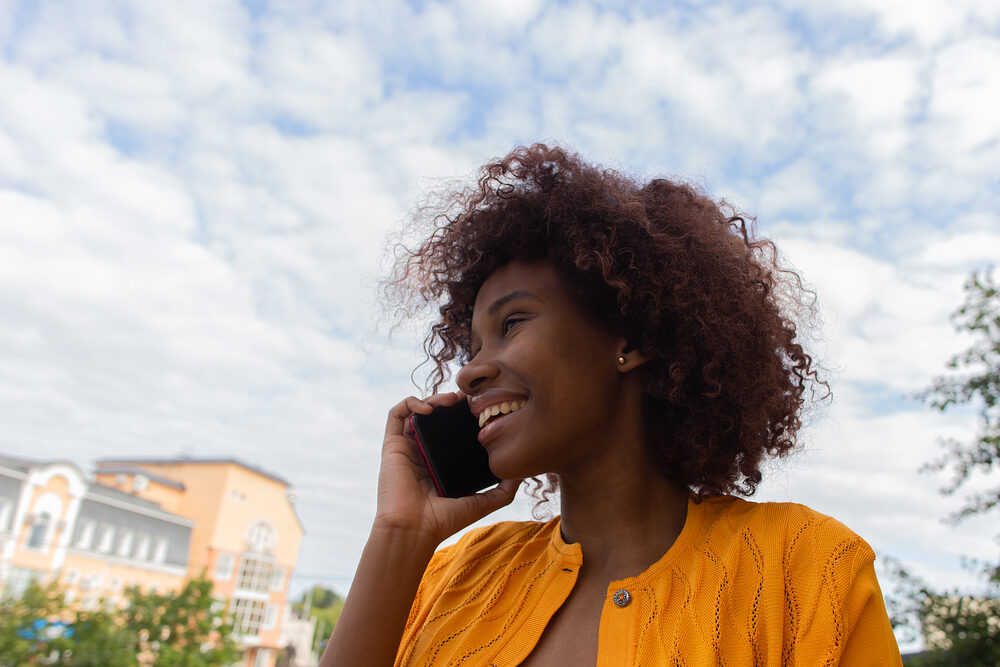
x,y
630,357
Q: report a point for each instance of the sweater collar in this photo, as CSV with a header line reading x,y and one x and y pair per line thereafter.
x,y
572,553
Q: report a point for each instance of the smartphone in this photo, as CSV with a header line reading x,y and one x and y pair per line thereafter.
x,y
448,440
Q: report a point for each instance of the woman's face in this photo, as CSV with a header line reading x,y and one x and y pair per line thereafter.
x,y
548,369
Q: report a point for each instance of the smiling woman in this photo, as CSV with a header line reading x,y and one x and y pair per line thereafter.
x,y
634,344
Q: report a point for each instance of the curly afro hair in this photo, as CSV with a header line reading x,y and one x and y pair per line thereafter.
x,y
678,274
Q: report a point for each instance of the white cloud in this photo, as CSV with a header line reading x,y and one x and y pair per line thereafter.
x,y
926,21
973,249
966,89
506,16
209,286
880,315
877,94
793,189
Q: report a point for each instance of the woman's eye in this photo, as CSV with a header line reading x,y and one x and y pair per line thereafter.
x,y
509,324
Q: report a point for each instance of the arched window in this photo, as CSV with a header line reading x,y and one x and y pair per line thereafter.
x,y
261,537
45,511
255,578
39,531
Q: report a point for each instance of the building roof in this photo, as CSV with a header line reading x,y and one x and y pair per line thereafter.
x,y
106,465
109,492
186,461
24,464
97,492
14,463
133,470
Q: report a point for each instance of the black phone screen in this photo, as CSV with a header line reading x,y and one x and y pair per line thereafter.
x,y
447,438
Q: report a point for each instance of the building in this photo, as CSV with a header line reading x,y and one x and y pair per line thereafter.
x,y
94,540
245,538
154,523
297,634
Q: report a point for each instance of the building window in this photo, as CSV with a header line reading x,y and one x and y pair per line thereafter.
x,y
72,576
5,506
115,584
255,573
160,550
39,534
125,544
92,582
248,615
18,579
261,537
277,578
85,538
105,538
224,566
270,616
142,547
262,657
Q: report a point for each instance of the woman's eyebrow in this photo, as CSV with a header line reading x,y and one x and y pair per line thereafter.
x,y
502,301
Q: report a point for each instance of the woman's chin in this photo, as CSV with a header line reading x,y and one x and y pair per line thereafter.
x,y
505,469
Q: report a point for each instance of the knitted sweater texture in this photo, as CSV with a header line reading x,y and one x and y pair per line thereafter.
x,y
744,584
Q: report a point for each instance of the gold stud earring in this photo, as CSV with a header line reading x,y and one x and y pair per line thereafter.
x,y
621,360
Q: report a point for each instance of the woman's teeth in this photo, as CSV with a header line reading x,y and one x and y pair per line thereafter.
x,y
500,409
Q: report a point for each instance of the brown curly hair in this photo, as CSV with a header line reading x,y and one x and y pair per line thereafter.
x,y
680,276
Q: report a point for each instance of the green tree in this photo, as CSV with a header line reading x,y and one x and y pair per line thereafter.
x,y
183,629
21,639
325,604
38,628
959,628
977,382
324,598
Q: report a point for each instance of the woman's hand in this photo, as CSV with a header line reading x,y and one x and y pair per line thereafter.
x,y
407,499
411,521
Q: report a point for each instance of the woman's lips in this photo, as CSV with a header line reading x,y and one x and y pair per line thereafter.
x,y
494,426
498,408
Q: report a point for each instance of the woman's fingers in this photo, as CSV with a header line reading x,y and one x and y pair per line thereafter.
x,y
401,412
445,399
407,496
486,502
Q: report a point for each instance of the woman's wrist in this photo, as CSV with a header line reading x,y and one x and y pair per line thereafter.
x,y
420,542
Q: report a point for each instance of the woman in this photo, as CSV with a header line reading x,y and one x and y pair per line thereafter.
x,y
644,346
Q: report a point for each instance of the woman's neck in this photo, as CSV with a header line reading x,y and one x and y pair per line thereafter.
x,y
616,503
624,513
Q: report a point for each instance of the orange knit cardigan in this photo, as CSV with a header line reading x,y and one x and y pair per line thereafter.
x,y
744,584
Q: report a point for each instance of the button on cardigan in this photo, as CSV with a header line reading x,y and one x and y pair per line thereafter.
x,y
744,584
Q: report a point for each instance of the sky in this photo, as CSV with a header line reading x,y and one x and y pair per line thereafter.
x,y
196,199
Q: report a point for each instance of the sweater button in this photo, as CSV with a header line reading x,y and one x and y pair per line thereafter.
x,y
622,597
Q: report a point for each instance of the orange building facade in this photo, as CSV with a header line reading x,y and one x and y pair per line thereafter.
x,y
154,523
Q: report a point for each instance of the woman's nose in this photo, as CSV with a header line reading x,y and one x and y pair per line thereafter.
x,y
476,373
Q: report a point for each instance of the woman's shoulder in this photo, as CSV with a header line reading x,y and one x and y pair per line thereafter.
x,y
484,544
800,531
504,532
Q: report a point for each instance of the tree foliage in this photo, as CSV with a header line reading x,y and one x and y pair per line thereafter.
x,y
322,598
325,604
977,382
177,629
959,628
182,629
